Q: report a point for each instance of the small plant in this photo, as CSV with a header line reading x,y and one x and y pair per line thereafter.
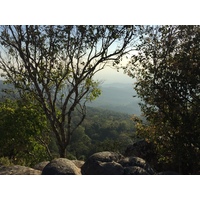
x,y
5,161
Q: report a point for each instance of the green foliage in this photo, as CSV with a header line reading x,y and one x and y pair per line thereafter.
x,y
21,131
5,161
95,90
102,130
167,70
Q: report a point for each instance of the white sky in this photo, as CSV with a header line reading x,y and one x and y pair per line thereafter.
x,y
109,75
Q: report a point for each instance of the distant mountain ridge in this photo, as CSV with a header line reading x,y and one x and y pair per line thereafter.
x,y
116,97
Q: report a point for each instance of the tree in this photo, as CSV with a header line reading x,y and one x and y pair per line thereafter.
x,y
80,144
167,71
56,64
22,133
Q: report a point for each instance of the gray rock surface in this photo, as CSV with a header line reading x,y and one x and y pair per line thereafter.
x,y
61,166
168,173
142,149
136,161
108,168
78,163
135,170
18,170
103,163
40,166
111,163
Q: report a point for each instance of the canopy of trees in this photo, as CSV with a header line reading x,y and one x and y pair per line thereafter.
x,y
23,133
167,69
102,130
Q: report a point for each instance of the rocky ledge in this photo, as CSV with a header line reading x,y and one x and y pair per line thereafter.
x,y
101,163
18,170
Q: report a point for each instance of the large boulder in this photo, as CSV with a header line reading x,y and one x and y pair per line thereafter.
x,y
168,173
40,166
78,163
61,166
136,161
143,149
135,170
103,163
111,163
18,170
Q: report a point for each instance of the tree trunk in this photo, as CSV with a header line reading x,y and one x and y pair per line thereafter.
x,y
62,152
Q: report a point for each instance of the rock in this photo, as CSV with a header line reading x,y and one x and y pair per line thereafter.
x,y
142,149
136,161
135,170
103,163
109,168
78,163
168,173
18,170
111,163
61,166
40,166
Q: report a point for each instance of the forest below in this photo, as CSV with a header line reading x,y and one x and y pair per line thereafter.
x,y
102,130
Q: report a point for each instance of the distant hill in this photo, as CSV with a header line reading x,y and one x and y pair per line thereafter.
x,y
116,97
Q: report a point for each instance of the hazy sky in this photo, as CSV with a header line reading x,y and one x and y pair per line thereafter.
x,y
109,75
